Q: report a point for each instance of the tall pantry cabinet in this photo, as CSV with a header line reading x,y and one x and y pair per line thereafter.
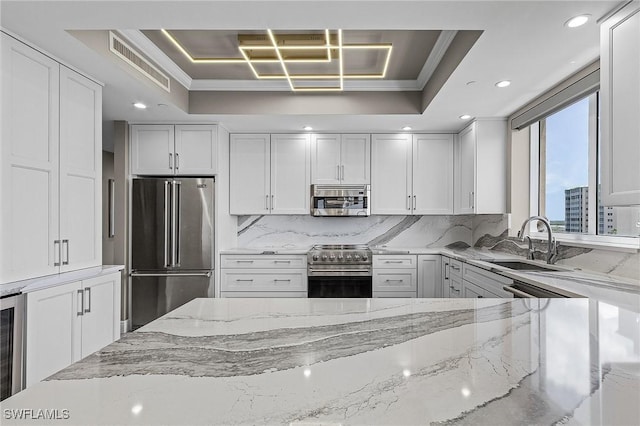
x,y
50,166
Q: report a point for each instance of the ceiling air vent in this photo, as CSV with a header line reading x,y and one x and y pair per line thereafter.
x,y
125,52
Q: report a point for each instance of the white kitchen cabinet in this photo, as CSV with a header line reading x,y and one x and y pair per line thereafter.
x,y
620,103
340,159
480,168
263,276
166,149
80,171
395,276
484,283
269,174
68,322
429,275
432,174
412,174
50,166
250,168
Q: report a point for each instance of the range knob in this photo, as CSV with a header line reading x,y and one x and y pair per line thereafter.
x,y
340,257
365,257
324,257
332,257
315,257
356,257
348,258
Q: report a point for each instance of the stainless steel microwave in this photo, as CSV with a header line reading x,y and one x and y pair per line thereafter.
x,y
340,200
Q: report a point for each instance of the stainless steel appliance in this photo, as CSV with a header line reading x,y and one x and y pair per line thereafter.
x,y
339,271
171,244
11,334
340,200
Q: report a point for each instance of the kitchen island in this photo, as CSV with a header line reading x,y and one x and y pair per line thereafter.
x,y
356,361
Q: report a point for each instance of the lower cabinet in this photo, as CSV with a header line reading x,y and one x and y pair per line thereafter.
x,y
395,276
429,275
263,276
68,322
451,277
478,282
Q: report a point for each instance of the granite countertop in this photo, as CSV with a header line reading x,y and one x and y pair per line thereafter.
x,y
40,283
357,361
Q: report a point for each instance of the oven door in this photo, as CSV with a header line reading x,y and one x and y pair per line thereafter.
x,y
352,284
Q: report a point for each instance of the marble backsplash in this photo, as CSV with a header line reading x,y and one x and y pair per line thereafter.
x,y
482,231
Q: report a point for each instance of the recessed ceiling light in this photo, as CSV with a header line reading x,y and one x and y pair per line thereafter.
x,y
405,128
307,128
577,21
465,117
503,83
140,105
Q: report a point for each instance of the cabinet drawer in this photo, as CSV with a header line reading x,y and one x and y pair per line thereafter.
x,y
395,261
263,280
455,267
395,280
263,261
279,294
490,282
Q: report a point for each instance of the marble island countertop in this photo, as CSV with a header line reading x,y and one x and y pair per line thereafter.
x,y
358,361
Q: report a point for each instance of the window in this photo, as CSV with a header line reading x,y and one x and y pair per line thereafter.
x,y
565,165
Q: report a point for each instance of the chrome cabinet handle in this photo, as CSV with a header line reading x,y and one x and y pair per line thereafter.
x,y
273,202
415,204
393,261
281,261
277,279
244,261
244,281
393,281
170,161
338,171
59,253
266,202
66,243
80,295
177,161
446,269
87,292
455,268
408,202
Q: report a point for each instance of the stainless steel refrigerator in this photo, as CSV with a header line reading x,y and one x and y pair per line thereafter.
x,y
171,244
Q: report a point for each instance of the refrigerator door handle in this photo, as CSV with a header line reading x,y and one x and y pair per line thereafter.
x,y
177,274
167,214
175,223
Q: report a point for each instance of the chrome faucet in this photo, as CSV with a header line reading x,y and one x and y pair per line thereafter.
x,y
552,245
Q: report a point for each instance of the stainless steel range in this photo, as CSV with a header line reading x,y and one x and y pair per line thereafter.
x,y
339,271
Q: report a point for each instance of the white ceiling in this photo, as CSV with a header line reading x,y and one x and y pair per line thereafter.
x,y
523,41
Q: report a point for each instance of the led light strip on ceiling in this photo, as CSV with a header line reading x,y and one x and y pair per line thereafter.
x,y
246,49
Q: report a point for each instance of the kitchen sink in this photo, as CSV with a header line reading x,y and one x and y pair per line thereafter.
x,y
524,266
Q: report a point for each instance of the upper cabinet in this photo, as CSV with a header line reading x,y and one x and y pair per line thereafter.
x,y
412,174
340,159
481,168
269,174
620,103
174,150
50,166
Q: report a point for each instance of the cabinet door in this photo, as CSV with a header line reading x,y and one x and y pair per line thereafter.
x,y
290,174
433,174
429,276
472,291
325,159
391,174
53,330
29,163
249,174
355,154
152,149
196,150
446,280
80,171
620,101
466,170
101,312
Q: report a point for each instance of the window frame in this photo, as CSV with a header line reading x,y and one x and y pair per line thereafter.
x,y
537,183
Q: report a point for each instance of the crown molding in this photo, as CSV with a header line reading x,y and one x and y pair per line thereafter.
x,y
154,53
437,53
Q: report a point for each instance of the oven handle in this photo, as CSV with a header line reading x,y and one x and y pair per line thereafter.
x,y
339,272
